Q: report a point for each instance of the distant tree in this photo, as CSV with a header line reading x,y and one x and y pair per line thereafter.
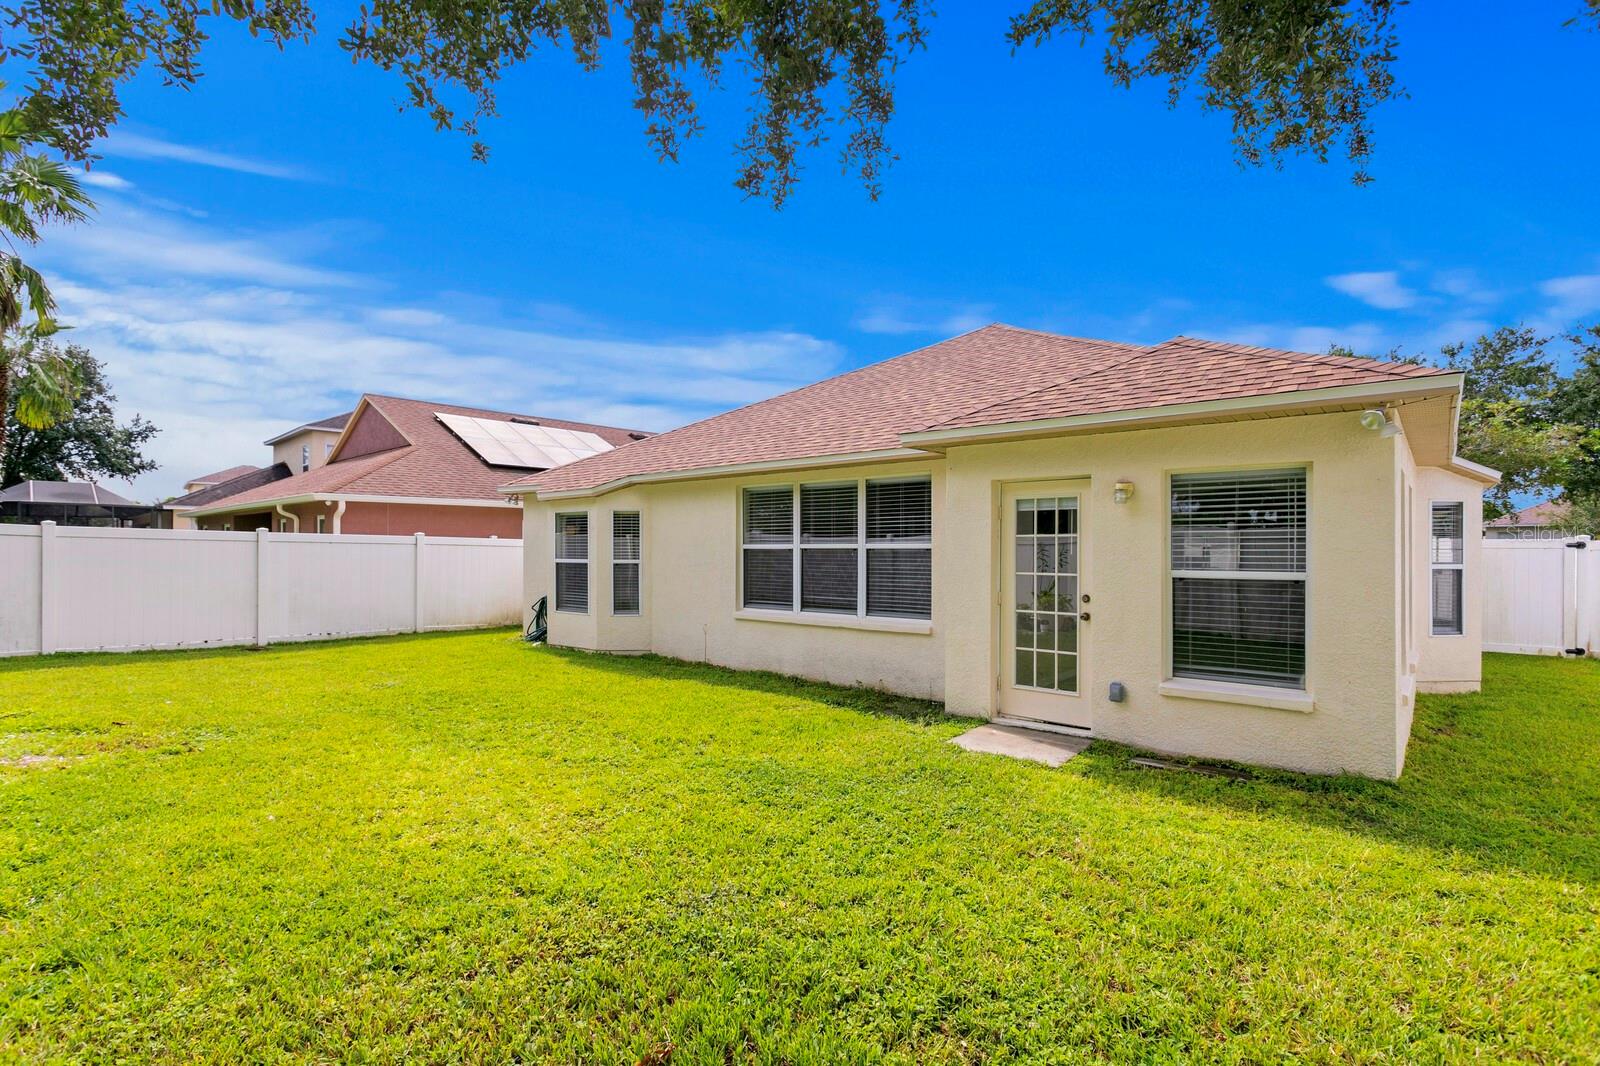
x,y
1579,515
1505,413
87,442
1576,400
1294,75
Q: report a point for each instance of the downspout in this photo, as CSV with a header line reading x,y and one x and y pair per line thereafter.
x,y
290,515
338,514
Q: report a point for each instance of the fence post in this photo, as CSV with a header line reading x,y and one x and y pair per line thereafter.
x,y
261,588
48,638
416,598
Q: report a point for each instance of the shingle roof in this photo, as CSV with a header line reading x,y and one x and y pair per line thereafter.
x,y
252,477
332,424
222,475
75,492
994,375
434,464
1539,514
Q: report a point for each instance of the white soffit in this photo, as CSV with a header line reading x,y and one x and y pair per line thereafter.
x,y
519,444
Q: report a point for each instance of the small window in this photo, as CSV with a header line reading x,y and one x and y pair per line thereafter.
x,y
626,551
322,523
1447,557
283,525
572,563
327,449
1238,569
768,548
305,457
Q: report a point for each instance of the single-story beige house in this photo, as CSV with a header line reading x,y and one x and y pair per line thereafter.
x,y
1200,548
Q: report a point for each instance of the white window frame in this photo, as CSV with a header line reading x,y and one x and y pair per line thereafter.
x,y
322,523
1461,611
1303,576
588,573
637,564
305,458
862,545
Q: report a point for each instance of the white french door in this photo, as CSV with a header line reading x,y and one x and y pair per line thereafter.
x,y
1042,670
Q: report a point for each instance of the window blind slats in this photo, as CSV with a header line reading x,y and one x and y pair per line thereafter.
x,y
1246,623
899,511
828,514
769,578
1449,534
572,562
626,550
828,580
900,583
769,515
572,536
1446,597
572,586
1247,521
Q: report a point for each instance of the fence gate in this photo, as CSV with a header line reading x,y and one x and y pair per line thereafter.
x,y
1542,597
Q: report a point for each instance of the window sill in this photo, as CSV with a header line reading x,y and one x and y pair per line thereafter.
x,y
1278,699
836,621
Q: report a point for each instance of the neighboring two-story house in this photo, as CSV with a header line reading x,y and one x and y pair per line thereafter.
x,y
398,466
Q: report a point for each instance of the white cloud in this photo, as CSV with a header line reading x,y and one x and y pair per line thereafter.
x,y
135,146
103,179
1572,297
1375,288
897,315
222,339
127,242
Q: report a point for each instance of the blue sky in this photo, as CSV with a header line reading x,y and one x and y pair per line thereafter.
x,y
281,238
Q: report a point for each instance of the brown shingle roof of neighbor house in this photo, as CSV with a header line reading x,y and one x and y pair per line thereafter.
x,y
995,375
435,464
1538,515
222,475
252,476
331,424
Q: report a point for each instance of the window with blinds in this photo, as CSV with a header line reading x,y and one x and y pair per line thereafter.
x,y
572,563
626,553
1238,577
1447,555
862,548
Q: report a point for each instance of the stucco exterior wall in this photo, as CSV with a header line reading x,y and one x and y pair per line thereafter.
x,y
690,589
1351,588
1354,716
1449,663
287,451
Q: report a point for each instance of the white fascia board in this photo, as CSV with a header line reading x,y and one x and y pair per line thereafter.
x,y
1476,471
1401,388
768,466
337,497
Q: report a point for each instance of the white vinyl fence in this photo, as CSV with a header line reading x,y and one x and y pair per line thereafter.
x,y
74,588
1542,597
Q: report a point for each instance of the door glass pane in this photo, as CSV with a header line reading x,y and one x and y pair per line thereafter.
x,y
1045,670
1024,629
1024,668
1045,557
1067,673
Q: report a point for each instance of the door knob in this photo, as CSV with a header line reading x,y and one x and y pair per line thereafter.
x,y
1084,617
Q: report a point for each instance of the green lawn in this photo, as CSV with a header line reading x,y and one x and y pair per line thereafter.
x,y
461,847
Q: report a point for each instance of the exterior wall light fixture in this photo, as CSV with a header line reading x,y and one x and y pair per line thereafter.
x,y
1122,491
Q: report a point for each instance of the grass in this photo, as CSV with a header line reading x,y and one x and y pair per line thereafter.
x,y
459,847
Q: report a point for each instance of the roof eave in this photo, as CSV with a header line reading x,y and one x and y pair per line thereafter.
x,y
1399,388
1487,475
811,462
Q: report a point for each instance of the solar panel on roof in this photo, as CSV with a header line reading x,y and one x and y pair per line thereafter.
x,y
502,443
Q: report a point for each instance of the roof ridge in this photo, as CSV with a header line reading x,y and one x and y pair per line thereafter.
x,y
499,411
1112,365
1365,363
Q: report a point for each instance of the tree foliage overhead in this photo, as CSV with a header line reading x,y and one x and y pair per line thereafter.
x,y
1293,75
87,443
